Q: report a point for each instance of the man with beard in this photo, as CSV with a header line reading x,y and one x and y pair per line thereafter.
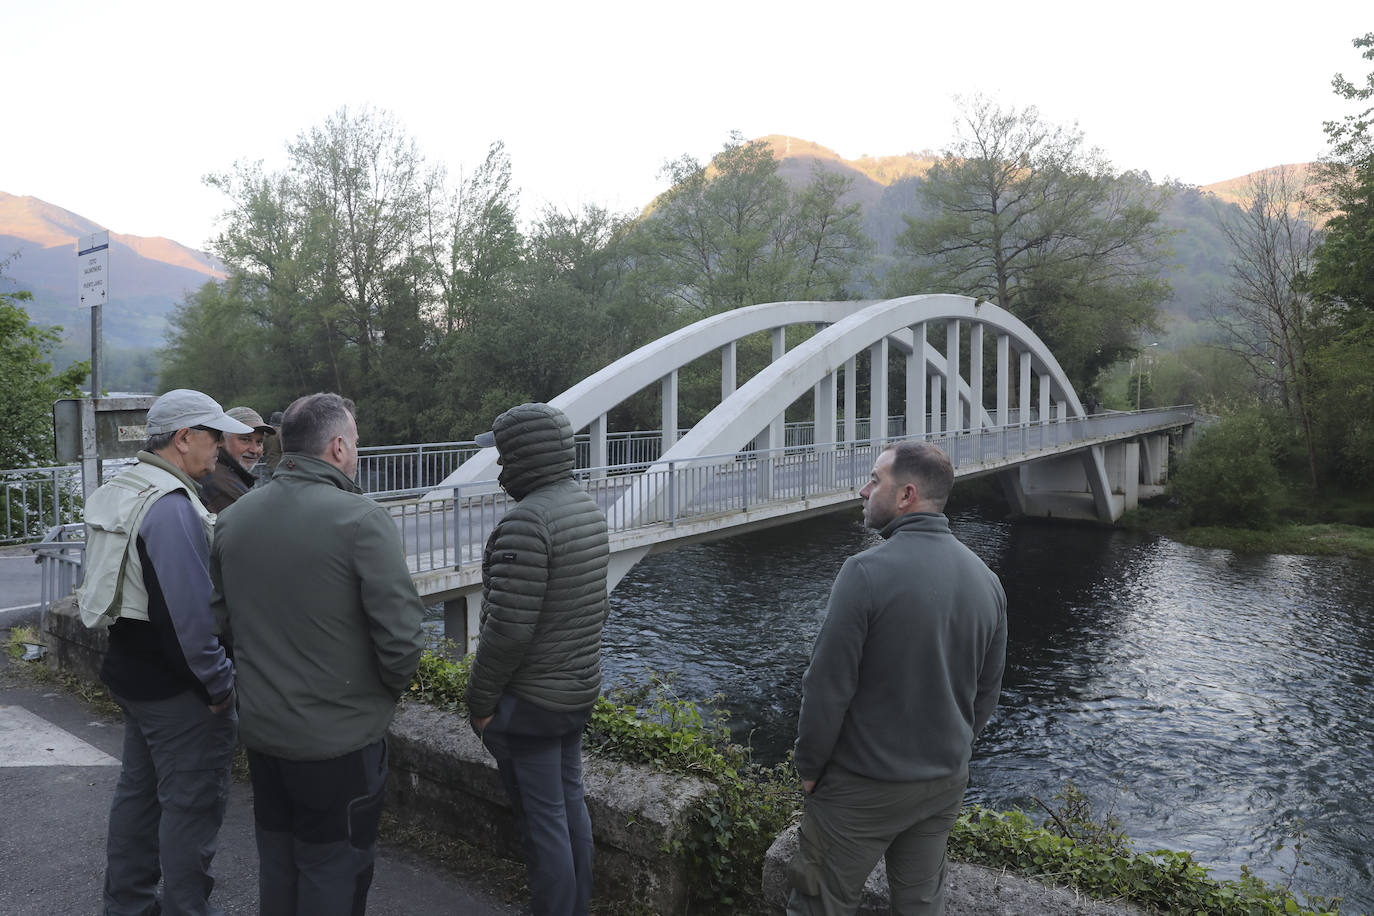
x,y
238,453
905,673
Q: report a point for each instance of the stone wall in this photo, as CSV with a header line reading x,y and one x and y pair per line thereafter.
x,y
443,778
970,890
72,648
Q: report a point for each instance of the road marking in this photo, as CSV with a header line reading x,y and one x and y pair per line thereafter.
x,y
27,740
18,607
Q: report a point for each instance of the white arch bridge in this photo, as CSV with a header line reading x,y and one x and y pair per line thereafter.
x,y
742,467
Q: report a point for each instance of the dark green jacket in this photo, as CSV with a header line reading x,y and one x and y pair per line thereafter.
x,y
544,574
908,664
311,583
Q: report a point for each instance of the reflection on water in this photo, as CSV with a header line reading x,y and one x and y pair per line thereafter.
x,y
1215,702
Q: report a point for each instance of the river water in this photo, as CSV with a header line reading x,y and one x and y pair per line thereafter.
x,y
1215,702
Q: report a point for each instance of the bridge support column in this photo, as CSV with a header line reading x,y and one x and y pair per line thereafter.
x,y
825,429
851,401
1075,486
600,454
953,420
1044,381
1003,380
937,425
462,621
877,393
1023,390
916,382
728,372
975,376
1154,464
669,428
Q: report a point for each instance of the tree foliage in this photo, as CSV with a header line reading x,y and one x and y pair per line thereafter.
x,y
1229,477
28,385
1024,215
1269,318
731,233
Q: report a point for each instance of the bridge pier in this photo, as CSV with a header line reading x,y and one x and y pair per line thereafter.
x,y
462,621
1067,487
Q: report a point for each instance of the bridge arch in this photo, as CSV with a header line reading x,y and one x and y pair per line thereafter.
x,y
811,367
889,322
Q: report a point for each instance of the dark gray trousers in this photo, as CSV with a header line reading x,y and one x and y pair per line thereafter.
x,y
850,822
539,755
168,806
316,823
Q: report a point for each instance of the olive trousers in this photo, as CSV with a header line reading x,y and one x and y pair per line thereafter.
x,y
851,821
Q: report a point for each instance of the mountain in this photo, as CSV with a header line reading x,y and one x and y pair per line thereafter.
x,y
886,188
147,276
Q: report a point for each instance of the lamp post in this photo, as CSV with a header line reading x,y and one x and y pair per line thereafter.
x,y
1140,371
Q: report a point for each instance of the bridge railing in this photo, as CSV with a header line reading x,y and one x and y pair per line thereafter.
x,y
452,531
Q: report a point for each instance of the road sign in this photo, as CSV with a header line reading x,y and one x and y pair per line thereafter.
x,y
93,268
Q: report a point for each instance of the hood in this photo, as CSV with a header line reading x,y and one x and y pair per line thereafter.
x,y
536,446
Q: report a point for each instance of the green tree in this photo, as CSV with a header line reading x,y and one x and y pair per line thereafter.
x,y
1269,318
1228,477
471,240
1026,216
732,233
1342,282
328,288
28,384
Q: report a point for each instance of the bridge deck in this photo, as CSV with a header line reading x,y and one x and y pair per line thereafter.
x,y
650,508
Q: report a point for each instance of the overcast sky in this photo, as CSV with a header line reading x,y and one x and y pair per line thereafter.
x,y
116,110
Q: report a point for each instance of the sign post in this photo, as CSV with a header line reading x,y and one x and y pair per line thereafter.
x,y
92,288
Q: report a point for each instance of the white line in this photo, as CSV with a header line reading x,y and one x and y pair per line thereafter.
x,y
19,607
27,740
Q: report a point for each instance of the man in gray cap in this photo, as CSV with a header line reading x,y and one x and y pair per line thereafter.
x,y
147,578
238,453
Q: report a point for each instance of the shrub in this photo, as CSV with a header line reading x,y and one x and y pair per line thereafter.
x,y
1228,478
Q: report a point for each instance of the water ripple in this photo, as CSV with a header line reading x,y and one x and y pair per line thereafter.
x,y
1213,701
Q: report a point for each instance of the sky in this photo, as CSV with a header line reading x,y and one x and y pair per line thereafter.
x,y
116,111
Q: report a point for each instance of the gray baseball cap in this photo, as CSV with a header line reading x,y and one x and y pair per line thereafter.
x,y
182,407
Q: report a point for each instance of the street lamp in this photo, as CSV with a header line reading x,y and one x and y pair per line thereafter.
x,y
1140,371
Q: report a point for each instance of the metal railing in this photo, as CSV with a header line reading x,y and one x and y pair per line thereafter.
x,y
35,499
60,554
452,531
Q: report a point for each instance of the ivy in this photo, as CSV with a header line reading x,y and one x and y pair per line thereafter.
x,y
728,838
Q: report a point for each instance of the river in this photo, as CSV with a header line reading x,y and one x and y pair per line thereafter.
x,y
1214,702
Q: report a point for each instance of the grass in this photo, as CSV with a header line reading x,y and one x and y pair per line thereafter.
x,y
1313,531
95,695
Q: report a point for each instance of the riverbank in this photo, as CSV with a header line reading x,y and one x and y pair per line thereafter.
x,y
1319,539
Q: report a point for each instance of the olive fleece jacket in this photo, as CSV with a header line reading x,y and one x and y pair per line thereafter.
x,y
311,585
908,665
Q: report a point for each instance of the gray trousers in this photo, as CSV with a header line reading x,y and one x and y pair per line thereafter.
x,y
168,806
316,823
851,821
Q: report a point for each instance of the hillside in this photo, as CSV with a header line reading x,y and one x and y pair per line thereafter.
x,y
148,276
887,189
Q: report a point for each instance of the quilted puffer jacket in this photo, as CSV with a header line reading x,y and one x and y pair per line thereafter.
x,y
543,572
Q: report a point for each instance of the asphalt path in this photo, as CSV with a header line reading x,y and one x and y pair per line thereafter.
x,y
21,586
58,766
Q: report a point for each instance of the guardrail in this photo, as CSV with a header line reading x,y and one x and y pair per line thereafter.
x,y
60,554
452,531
